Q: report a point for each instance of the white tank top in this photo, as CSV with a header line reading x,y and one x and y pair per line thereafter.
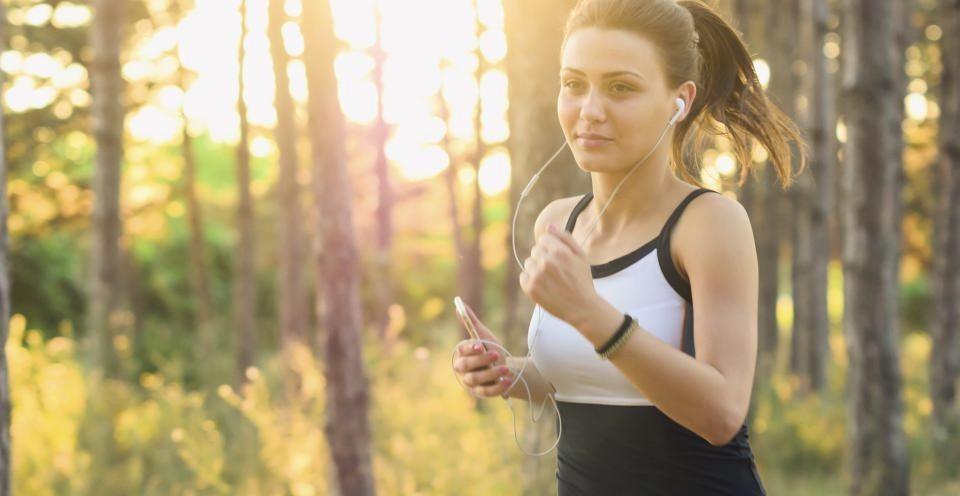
x,y
643,283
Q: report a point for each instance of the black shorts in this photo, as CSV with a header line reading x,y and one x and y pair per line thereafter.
x,y
638,450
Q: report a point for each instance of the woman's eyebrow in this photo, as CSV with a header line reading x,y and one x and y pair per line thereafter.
x,y
607,75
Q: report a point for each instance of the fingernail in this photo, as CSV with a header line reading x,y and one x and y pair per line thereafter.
x,y
477,347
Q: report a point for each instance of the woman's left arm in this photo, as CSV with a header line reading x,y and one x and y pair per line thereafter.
x,y
709,394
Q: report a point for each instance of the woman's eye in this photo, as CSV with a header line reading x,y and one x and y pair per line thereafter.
x,y
621,88
573,85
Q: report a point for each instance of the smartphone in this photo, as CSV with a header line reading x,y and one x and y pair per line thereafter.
x,y
465,317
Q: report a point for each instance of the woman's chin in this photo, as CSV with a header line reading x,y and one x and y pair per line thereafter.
x,y
592,163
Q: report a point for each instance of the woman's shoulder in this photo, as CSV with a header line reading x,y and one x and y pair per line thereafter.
x,y
714,223
715,207
556,212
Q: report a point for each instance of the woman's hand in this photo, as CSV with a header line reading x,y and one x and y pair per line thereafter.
x,y
482,370
557,275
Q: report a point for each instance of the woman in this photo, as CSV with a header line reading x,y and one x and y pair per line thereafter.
x,y
652,401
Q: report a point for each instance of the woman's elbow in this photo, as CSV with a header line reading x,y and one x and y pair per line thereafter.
x,y
724,427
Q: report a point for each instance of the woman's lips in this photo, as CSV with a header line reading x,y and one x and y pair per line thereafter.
x,y
588,141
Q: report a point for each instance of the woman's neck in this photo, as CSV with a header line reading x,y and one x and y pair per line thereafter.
x,y
641,195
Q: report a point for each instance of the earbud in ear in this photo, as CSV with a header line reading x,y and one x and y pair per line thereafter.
x,y
681,106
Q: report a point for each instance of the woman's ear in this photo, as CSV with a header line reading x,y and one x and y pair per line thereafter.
x,y
687,92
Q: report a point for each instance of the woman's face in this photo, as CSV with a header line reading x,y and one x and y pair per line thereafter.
x,y
614,101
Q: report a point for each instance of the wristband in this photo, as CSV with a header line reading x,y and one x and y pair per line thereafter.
x,y
623,339
603,349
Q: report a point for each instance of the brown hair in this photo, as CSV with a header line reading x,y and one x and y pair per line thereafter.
x,y
695,43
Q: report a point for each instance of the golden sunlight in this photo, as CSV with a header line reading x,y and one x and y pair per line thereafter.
x,y
916,106
494,173
433,49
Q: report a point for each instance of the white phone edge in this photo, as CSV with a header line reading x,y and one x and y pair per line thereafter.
x,y
462,310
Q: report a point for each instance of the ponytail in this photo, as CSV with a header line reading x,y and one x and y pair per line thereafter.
x,y
734,98
702,47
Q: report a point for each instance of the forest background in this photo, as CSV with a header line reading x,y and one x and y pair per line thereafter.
x,y
203,293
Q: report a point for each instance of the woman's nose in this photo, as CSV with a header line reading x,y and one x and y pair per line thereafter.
x,y
592,108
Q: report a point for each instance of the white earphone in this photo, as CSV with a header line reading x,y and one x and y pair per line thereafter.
x,y
681,106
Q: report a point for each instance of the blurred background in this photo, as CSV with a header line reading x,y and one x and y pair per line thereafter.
x,y
234,230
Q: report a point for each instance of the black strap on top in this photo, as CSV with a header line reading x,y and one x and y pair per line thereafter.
x,y
663,247
663,238
582,204
670,272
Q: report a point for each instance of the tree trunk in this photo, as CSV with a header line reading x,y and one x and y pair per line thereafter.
x,y
6,462
782,53
768,209
292,292
199,275
761,200
813,199
878,456
779,48
945,332
754,195
244,300
466,270
451,181
900,11
107,119
534,32
786,32
347,428
475,275
385,197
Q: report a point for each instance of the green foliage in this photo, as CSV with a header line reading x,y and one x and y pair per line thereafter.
x,y
80,434
48,391
45,279
429,437
803,437
803,433
77,433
